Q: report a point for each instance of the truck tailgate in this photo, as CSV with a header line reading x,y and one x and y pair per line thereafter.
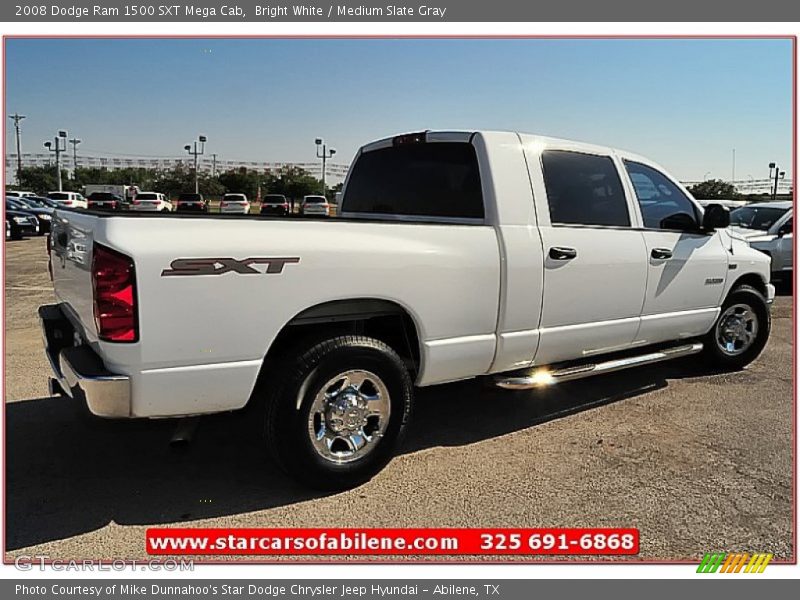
x,y
71,244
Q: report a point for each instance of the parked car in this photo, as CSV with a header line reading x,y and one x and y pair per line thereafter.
x,y
768,227
151,202
18,194
729,204
191,203
315,205
107,201
20,224
43,215
574,260
68,199
234,203
274,204
41,202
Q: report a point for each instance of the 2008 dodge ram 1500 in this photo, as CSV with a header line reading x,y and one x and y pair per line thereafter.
x,y
456,254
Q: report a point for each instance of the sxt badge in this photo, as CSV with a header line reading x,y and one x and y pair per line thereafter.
x,y
220,266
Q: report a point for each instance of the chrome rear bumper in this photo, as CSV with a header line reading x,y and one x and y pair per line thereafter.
x,y
78,369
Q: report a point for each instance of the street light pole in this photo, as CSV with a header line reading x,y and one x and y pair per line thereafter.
x,y
62,135
74,142
17,118
325,155
192,149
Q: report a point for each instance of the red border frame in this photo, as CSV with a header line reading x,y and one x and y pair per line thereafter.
x,y
325,560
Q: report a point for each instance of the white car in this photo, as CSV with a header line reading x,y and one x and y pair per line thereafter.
x,y
768,227
68,199
524,259
315,205
234,203
151,202
18,194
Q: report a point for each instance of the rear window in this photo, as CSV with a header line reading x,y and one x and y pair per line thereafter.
x,y
190,198
270,199
584,189
315,200
103,196
147,196
235,198
439,179
58,196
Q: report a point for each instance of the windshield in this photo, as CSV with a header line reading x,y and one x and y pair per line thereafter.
x,y
755,217
46,202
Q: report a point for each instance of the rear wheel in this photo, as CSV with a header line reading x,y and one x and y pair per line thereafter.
x,y
338,411
741,330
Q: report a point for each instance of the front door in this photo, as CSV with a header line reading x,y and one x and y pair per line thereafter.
x,y
687,267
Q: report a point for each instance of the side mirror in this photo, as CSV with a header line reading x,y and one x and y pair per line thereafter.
x,y
716,217
679,222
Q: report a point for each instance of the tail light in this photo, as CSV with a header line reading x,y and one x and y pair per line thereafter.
x,y
67,202
114,286
113,204
221,204
137,202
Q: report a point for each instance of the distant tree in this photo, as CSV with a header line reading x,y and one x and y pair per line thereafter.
x,y
41,179
241,181
713,189
144,178
293,182
333,191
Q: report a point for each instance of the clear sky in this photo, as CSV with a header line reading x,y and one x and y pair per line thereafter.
x,y
684,103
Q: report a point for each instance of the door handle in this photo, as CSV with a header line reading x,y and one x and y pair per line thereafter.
x,y
562,253
661,253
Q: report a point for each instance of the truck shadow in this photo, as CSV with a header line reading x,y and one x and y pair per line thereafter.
x,y
68,475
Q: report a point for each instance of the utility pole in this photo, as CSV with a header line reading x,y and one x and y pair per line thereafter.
x,y
62,135
733,168
326,154
74,142
214,164
17,118
192,149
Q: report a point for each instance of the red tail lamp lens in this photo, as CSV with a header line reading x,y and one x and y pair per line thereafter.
x,y
114,285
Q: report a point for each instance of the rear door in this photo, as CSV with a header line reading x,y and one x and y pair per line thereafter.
x,y
687,267
595,266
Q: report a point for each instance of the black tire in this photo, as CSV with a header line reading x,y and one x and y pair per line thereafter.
x,y
747,296
298,381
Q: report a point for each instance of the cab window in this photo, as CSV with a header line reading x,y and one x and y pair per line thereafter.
x,y
663,204
584,189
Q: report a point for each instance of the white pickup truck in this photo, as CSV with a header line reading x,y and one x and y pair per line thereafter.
x,y
526,259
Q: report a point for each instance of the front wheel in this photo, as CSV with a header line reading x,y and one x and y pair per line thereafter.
x,y
741,331
339,411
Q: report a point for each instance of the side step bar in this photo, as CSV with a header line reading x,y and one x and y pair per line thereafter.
x,y
542,376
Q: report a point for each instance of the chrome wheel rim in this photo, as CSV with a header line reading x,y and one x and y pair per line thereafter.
x,y
349,416
737,329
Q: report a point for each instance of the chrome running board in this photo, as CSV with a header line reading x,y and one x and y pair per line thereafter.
x,y
543,376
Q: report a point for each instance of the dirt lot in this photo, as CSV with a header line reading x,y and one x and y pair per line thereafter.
x,y
697,461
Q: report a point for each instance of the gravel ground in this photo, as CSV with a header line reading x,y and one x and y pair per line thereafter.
x,y
697,461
